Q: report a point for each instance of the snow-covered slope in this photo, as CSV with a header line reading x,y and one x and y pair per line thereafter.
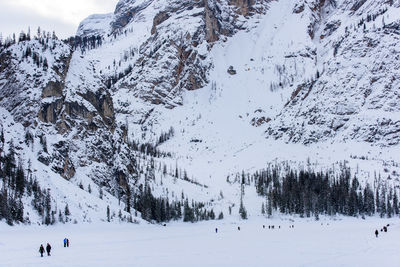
x,y
354,95
232,123
98,24
235,84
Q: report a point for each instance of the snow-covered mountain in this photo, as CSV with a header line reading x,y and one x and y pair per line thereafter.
x,y
179,95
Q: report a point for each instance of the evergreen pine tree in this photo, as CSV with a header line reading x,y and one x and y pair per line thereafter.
x,y
395,204
4,208
128,199
9,165
60,217
389,211
66,211
20,180
188,214
382,202
20,211
212,214
269,207
47,208
242,211
108,213
100,193
377,201
45,64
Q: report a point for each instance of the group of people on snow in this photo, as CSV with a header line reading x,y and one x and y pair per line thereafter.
x,y
48,247
41,249
273,226
383,229
269,227
66,242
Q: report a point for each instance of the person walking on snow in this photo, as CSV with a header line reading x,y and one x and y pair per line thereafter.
x,y
65,242
376,233
48,249
41,250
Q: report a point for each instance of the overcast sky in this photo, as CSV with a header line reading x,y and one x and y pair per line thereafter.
x,y
62,16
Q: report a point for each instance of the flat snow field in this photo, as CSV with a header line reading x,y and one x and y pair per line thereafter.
x,y
345,242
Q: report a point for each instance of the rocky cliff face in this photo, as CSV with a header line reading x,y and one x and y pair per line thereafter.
x,y
24,89
38,95
173,57
353,94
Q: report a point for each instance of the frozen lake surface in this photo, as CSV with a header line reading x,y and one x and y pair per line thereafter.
x,y
346,242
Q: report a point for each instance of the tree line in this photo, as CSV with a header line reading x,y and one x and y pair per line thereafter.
x,y
161,209
312,193
42,36
84,43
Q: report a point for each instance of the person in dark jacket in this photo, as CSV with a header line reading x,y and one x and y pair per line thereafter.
x,y
48,249
65,242
41,250
376,233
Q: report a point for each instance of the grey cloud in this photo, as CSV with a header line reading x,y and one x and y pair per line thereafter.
x,y
13,20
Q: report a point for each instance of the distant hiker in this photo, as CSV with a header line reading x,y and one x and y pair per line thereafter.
x,y
385,229
279,227
269,226
292,225
65,242
263,226
239,228
273,226
216,230
376,233
41,250
48,249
